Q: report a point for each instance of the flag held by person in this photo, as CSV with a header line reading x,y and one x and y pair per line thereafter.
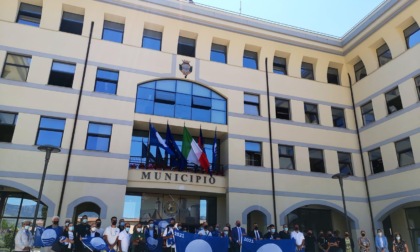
x,y
252,245
187,242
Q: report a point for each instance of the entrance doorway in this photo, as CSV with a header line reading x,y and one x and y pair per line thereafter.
x,y
90,209
257,217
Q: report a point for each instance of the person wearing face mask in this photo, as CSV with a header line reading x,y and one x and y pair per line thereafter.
x,y
333,242
399,245
299,238
124,238
168,238
364,242
255,233
66,223
100,230
205,231
271,233
24,239
348,241
284,234
237,233
322,242
58,230
111,234
310,241
121,224
381,242
151,230
226,234
68,243
82,230
94,231
138,241
216,231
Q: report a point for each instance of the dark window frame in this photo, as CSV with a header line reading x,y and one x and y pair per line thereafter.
x,y
393,104
70,23
251,103
105,80
16,65
376,165
417,84
360,70
29,15
336,118
345,161
152,35
255,157
249,56
365,112
69,79
287,155
186,46
333,77
404,151
280,65
411,30
307,71
40,128
98,135
311,114
280,111
384,54
315,161
8,129
110,26
218,49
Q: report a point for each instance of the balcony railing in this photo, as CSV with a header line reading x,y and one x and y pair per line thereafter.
x,y
139,162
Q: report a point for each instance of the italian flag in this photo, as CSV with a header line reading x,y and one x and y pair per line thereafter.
x,y
192,151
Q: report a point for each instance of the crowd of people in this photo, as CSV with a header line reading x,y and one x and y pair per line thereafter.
x,y
118,237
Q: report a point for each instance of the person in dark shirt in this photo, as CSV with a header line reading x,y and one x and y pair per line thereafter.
x,y
322,242
285,233
272,234
333,243
310,241
82,230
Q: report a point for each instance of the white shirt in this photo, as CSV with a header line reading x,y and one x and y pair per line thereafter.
x,y
111,234
165,233
23,239
298,236
124,238
204,232
100,231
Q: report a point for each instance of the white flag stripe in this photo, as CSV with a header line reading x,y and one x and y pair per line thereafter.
x,y
161,141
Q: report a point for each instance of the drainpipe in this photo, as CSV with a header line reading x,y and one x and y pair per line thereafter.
x,y
271,145
75,122
361,155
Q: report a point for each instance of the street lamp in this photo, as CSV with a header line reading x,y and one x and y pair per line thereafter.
x,y
340,177
48,149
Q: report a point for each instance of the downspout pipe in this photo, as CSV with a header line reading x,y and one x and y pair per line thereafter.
x,y
63,189
361,156
271,144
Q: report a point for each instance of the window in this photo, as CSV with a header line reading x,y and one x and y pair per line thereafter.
x,y
344,162
71,23
367,113
412,35
316,160
338,117
404,152
286,157
218,53
282,109
7,126
384,54
186,46
152,40
279,65
251,104
50,131
181,99
311,113
98,137
106,81
16,67
253,153
332,76
417,81
360,70
113,31
307,71
375,160
250,59
62,74
393,100
29,14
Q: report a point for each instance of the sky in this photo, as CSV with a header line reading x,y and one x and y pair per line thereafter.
x,y
332,17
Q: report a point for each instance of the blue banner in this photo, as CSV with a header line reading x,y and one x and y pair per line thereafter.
x,y
186,242
251,245
154,245
37,238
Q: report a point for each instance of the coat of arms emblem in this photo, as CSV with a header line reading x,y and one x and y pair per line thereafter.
x,y
185,68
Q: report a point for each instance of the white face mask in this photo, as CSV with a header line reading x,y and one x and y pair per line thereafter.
x,y
380,233
226,232
138,230
27,227
93,229
398,238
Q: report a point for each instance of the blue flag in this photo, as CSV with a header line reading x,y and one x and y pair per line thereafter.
x,y
154,245
187,242
251,245
180,160
37,239
156,140
214,164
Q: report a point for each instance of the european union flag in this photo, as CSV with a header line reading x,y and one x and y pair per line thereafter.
x,y
251,245
180,160
193,242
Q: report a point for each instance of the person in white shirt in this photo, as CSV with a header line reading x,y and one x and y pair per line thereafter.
x,y
98,227
299,238
111,234
24,239
205,231
168,236
124,238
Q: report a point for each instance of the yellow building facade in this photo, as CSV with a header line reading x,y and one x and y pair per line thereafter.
x,y
289,108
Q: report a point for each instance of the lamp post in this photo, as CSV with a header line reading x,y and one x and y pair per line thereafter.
x,y
340,177
48,149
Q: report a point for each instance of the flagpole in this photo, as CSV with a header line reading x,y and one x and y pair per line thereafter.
x,y
148,147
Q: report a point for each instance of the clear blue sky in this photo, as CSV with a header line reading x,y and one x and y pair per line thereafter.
x,y
334,17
